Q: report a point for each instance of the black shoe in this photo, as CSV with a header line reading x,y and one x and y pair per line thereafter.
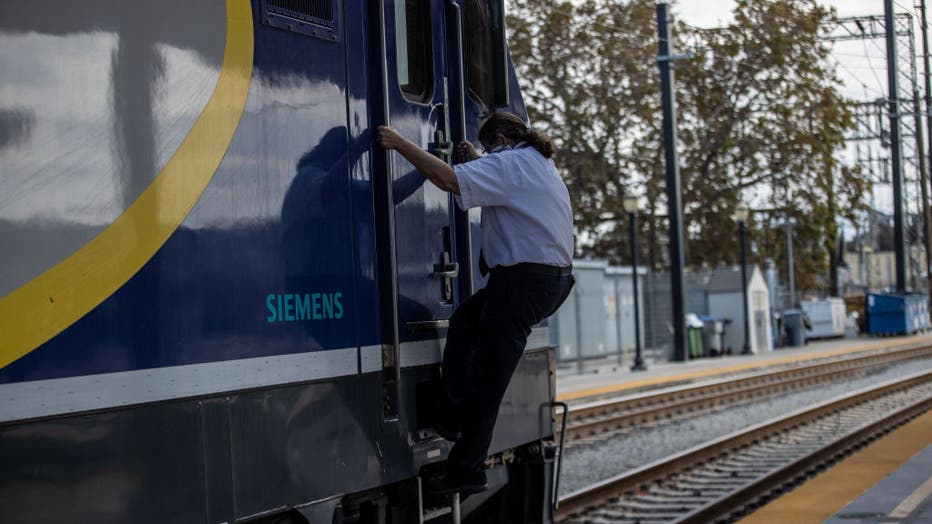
x,y
462,484
450,434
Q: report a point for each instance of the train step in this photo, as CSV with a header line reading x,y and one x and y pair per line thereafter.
x,y
430,513
429,449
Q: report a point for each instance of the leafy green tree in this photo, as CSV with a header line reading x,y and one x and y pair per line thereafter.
x,y
766,122
760,118
589,77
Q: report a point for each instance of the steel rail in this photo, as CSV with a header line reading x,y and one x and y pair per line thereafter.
x,y
642,478
607,416
737,501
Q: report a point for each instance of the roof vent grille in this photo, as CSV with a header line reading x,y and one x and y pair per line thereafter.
x,y
311,17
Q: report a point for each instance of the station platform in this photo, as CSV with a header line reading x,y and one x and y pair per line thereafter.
x,y
889,481
608,377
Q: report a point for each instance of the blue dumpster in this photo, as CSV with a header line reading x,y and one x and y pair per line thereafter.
x,y
897,314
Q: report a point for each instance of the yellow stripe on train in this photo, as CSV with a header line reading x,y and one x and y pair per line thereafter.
x,y
45,306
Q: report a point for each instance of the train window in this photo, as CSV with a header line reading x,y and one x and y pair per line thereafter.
x,y
413,47
486,63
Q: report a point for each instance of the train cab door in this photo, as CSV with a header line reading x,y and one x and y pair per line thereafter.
x,y
417,100
418,265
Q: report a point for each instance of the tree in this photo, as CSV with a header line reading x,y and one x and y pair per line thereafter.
x,y
766,123
760,119
590,83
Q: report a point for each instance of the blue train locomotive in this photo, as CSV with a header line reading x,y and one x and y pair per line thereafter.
x,y
219,302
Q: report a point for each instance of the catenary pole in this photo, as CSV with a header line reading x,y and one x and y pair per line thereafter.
x,y
924,188
896,152
674,211
924,27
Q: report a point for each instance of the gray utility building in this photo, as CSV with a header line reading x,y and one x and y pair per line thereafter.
x,y
724,300
597,319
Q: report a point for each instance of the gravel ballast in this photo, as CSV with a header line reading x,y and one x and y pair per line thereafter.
x,y
586,464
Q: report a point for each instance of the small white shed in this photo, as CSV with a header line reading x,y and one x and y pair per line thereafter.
x,y
724,293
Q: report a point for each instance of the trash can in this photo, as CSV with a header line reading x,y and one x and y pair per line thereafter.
x,y
852,325
695,341
777,328
713,335
794,325
694,328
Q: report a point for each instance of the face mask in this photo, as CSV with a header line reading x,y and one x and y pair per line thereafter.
x,y
495,148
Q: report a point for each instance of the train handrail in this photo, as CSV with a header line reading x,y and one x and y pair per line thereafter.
x,y
391,367
555,503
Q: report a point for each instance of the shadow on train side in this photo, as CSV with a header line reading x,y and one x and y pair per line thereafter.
x,y
205,291
301,425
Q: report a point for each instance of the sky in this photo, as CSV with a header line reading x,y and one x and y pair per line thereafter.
x,y
712,13
862,64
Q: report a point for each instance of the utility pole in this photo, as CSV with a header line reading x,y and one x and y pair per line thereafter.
x,y
674,208
895,149
924,27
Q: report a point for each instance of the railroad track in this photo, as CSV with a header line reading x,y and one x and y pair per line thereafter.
x,y
727,478
596,421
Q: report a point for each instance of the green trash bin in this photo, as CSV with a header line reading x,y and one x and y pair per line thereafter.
x,y
694,341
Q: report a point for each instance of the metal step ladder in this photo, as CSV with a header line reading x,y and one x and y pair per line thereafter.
x,y
432,513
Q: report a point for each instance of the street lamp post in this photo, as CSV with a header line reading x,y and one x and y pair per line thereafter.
x,y
630,203
790,278
741,215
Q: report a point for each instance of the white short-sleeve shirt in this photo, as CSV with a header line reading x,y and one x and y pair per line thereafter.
x,y
526,213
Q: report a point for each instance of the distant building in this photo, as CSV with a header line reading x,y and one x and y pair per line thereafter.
x,y
878,271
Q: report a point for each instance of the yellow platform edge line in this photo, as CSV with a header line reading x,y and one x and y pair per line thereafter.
x,y
825,495
748,366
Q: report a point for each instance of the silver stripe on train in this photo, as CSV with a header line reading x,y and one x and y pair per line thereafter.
x,y
41,398
370,359
431,351
58,396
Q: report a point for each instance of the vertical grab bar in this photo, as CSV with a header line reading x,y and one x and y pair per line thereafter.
x,y
460,76
461,109
391,366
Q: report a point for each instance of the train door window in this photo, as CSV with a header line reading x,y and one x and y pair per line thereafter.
x,y
413,48
486,63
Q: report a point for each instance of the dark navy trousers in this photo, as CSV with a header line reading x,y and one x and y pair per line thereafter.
x,y
485,340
